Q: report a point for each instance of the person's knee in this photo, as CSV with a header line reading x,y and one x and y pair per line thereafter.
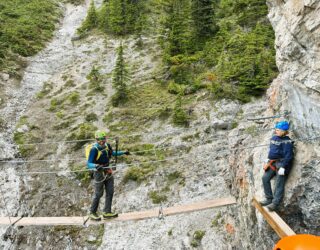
x,y
265,178
99,193
110,191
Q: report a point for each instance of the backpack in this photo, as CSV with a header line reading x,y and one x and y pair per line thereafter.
x,y
90,146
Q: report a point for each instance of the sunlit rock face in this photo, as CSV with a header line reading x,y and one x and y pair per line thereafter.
x,y
297,29
297,89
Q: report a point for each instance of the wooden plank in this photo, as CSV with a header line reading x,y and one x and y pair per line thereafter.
x,y
198,206
8,221
274,220
54,221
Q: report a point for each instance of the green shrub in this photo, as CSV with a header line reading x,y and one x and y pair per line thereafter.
x,y
180,117
91,117
60,114
83,132
21,139
70,83
55,104
25,28
197,237
172,177
143,149
157,197
175,89
46,88
74,98
138,174
63,125
217,220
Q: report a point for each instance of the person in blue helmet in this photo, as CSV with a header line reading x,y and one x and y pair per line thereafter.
x,y
98,161
280,159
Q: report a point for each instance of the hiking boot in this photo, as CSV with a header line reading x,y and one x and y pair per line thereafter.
x,y
109,215
94,216
265,202
272,207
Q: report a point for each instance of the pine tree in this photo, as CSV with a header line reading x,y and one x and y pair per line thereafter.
x,y
203,19
95,79
138,19
177,26
122,17
103,17
117,16
91,20
120,78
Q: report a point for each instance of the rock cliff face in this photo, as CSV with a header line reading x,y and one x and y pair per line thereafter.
x,y
296,89
297,28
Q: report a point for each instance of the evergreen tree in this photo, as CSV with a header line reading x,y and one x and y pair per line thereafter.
x,y
103,17
203,18
180,117
95,79
125,16
120,78
139,19
91,20
177,35
117,16
177,26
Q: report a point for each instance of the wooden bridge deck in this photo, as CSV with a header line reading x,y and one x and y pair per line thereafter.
x,y
274,220
54,221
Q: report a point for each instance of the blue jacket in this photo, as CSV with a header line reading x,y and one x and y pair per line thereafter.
x,y
281,149
106,154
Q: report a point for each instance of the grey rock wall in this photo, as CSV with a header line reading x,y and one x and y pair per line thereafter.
x,y
297,27
297,89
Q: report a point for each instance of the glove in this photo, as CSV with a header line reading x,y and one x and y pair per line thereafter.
x,y
281,171
126,152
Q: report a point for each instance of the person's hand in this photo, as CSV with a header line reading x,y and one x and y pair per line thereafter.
x,y
281,171
126,152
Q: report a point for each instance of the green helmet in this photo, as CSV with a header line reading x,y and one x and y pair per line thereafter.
x,y
100,134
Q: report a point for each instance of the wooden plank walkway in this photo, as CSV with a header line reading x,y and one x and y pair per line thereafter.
x,y
274,220
55,221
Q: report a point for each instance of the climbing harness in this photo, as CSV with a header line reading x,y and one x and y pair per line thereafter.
x,y
270,164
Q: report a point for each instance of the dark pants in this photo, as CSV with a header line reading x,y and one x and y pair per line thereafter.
x,y
279,186
99,187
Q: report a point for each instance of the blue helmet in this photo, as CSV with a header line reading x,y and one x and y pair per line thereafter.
x,y
283,125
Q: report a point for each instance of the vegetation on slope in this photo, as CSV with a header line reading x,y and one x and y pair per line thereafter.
x,y
232,50
225,46
25,27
